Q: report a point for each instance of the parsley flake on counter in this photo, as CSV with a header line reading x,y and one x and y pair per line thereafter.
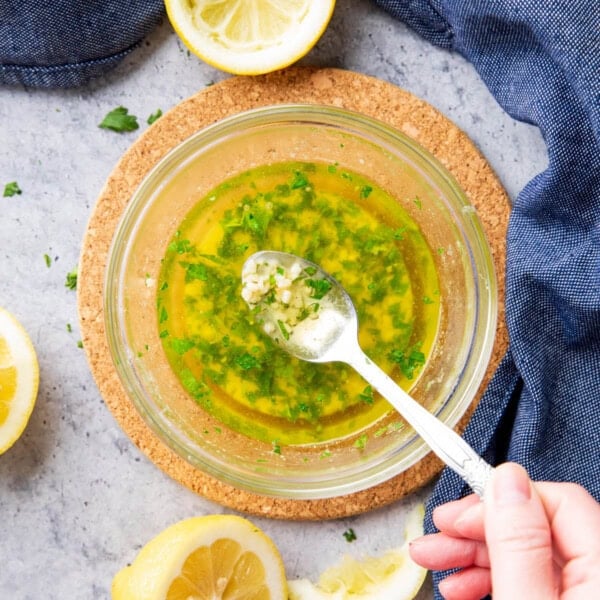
x,y
48,260
12,189
71,280
119,120
349,535
69,327
157,114
80,344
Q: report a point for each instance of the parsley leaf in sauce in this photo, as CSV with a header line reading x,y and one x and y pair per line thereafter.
x,y
409,361
320,287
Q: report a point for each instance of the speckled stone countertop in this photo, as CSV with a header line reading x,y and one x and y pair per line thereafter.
x,y
77,499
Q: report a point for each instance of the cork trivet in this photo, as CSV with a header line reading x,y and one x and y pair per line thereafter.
x,y
352,91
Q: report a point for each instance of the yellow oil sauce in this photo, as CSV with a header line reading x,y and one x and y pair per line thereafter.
x,y
352,229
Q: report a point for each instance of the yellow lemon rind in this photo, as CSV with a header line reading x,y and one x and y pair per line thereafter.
x,y
24,360
161,560
292,47
403,584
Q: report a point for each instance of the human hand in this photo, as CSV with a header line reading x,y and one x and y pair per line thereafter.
x,y
524,541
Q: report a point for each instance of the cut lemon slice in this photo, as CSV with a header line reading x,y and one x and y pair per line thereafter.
x,y
391,576
19,379
214,557
249,37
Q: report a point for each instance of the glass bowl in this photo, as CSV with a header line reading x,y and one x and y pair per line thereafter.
x,y
446,384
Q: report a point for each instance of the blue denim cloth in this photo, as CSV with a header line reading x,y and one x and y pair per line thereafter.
x,y
541,61
65,43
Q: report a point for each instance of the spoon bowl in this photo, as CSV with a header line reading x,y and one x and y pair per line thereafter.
x,y
280,287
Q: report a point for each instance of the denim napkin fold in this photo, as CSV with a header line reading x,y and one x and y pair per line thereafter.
x,y
541,61
65,43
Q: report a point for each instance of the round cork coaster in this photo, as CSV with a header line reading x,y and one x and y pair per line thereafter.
x,y
352,91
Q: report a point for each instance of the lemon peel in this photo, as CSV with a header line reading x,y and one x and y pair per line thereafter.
x,y
19,379
215,556
392,575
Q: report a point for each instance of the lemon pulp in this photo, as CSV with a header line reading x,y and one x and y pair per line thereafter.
x,y
392,575
19,379
215,557
249,37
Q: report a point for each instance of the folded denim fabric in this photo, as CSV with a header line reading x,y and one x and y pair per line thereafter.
x,y
65,43
541,61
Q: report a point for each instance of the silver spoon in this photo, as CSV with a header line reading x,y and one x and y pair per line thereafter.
x,y
331,335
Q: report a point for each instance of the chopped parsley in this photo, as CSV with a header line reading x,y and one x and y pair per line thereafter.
x,y
300,181
47,260
226,354
181,346
320,287
409,361
71,279
284,332
163,315
350,535
365,191
247,361
12,189
361,442
367,395
157,114
119,120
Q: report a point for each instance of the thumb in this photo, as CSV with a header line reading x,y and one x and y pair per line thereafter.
x,y
518,537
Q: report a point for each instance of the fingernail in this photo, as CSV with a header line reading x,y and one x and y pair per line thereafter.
x,y
417,542
511,485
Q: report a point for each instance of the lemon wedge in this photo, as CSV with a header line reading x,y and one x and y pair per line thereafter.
x,y
19,379
249,37
392,575
205,558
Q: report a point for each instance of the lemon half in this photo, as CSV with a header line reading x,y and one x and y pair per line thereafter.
x,y
205,558
19,379
391,576
249,37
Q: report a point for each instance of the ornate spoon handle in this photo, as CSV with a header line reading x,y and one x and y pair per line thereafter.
x,y
444,441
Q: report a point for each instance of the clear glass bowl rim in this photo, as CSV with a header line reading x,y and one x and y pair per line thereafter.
x,y
354,123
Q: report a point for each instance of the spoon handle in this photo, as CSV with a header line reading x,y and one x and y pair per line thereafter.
x,y
443,440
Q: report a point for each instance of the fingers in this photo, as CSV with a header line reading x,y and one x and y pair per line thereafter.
x,y
575,519
463,518
518,537
446,515
440,552
470,584
575,523
542,538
